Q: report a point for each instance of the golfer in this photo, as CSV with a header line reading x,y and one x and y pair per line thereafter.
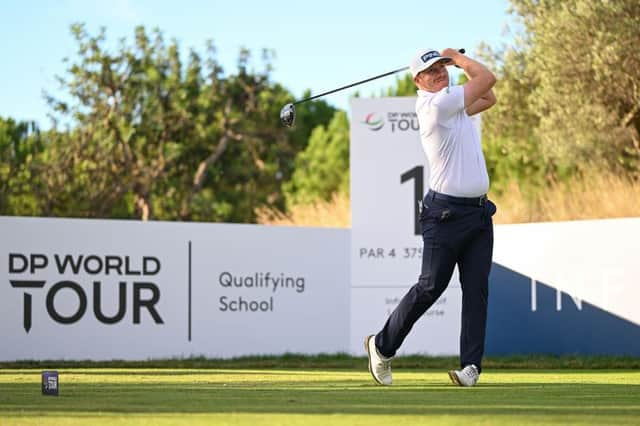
x,y
456,215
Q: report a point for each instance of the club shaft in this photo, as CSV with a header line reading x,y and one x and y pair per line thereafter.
x,y
357,83
351,85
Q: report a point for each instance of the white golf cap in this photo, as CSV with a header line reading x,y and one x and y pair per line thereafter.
x,y
424,59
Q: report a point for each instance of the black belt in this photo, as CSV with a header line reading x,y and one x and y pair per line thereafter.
x,y
475,201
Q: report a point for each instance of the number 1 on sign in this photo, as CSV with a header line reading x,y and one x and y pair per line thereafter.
x,y
417,173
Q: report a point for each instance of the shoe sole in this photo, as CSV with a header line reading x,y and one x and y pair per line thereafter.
x,y
366,347
454,378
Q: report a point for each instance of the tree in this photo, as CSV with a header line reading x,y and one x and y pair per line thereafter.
x,y
21,144
323,167
404,86
152,138
587,96
509,129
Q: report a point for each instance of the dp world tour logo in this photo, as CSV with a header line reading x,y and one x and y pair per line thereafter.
x,y
374,121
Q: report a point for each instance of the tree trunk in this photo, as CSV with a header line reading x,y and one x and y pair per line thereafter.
x,y
201,171
142,205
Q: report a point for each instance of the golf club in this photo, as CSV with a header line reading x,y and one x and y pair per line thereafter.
x,y
288,112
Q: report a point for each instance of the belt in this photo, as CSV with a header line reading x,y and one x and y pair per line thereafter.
x,y
475,201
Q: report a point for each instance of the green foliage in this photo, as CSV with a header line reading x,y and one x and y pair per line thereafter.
x,y
155,135
404,86
21,146
323,167
567,91
341,361
589,94
511,147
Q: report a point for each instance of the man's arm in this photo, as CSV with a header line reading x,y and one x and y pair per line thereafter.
x,y
481,80
485,102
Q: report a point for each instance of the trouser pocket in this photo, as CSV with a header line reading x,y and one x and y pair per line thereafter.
x,y
435,212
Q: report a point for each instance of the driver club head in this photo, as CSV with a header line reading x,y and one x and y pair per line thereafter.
x,y
288,115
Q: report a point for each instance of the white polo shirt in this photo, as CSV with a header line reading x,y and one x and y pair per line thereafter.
x,y
451,144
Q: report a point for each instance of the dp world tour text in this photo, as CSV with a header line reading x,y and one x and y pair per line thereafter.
x,y
35,274
91,264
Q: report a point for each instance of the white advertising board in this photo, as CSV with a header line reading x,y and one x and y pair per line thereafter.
x,y
106,289
595,261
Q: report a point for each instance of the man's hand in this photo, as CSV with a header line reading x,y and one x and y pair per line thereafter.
x,y
481,80
454,54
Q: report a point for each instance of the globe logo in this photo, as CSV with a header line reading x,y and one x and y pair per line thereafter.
x,y
374,121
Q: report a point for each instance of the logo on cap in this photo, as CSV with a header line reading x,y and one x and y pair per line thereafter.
x,y
429,55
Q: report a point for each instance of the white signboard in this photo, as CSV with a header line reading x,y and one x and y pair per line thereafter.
x,y
389,177
595,261
89,289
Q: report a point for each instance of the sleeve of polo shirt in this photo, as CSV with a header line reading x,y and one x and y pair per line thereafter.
x,y
448,102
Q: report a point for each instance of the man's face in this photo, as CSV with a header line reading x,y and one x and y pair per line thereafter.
x,y
434,78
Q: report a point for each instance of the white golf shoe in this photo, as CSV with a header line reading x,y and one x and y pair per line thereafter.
x,y
468,376
379,366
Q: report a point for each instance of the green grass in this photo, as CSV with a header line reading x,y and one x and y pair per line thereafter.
x,y
107,396
345,361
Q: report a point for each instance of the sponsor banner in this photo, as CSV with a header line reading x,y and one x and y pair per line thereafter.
x,y
591,260
388,175
87,289
277,290
531,317
102,289
565,288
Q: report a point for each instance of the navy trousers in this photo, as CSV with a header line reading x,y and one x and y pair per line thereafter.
x,y
454,231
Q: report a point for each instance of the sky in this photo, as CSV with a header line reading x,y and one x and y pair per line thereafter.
x,y
319,45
